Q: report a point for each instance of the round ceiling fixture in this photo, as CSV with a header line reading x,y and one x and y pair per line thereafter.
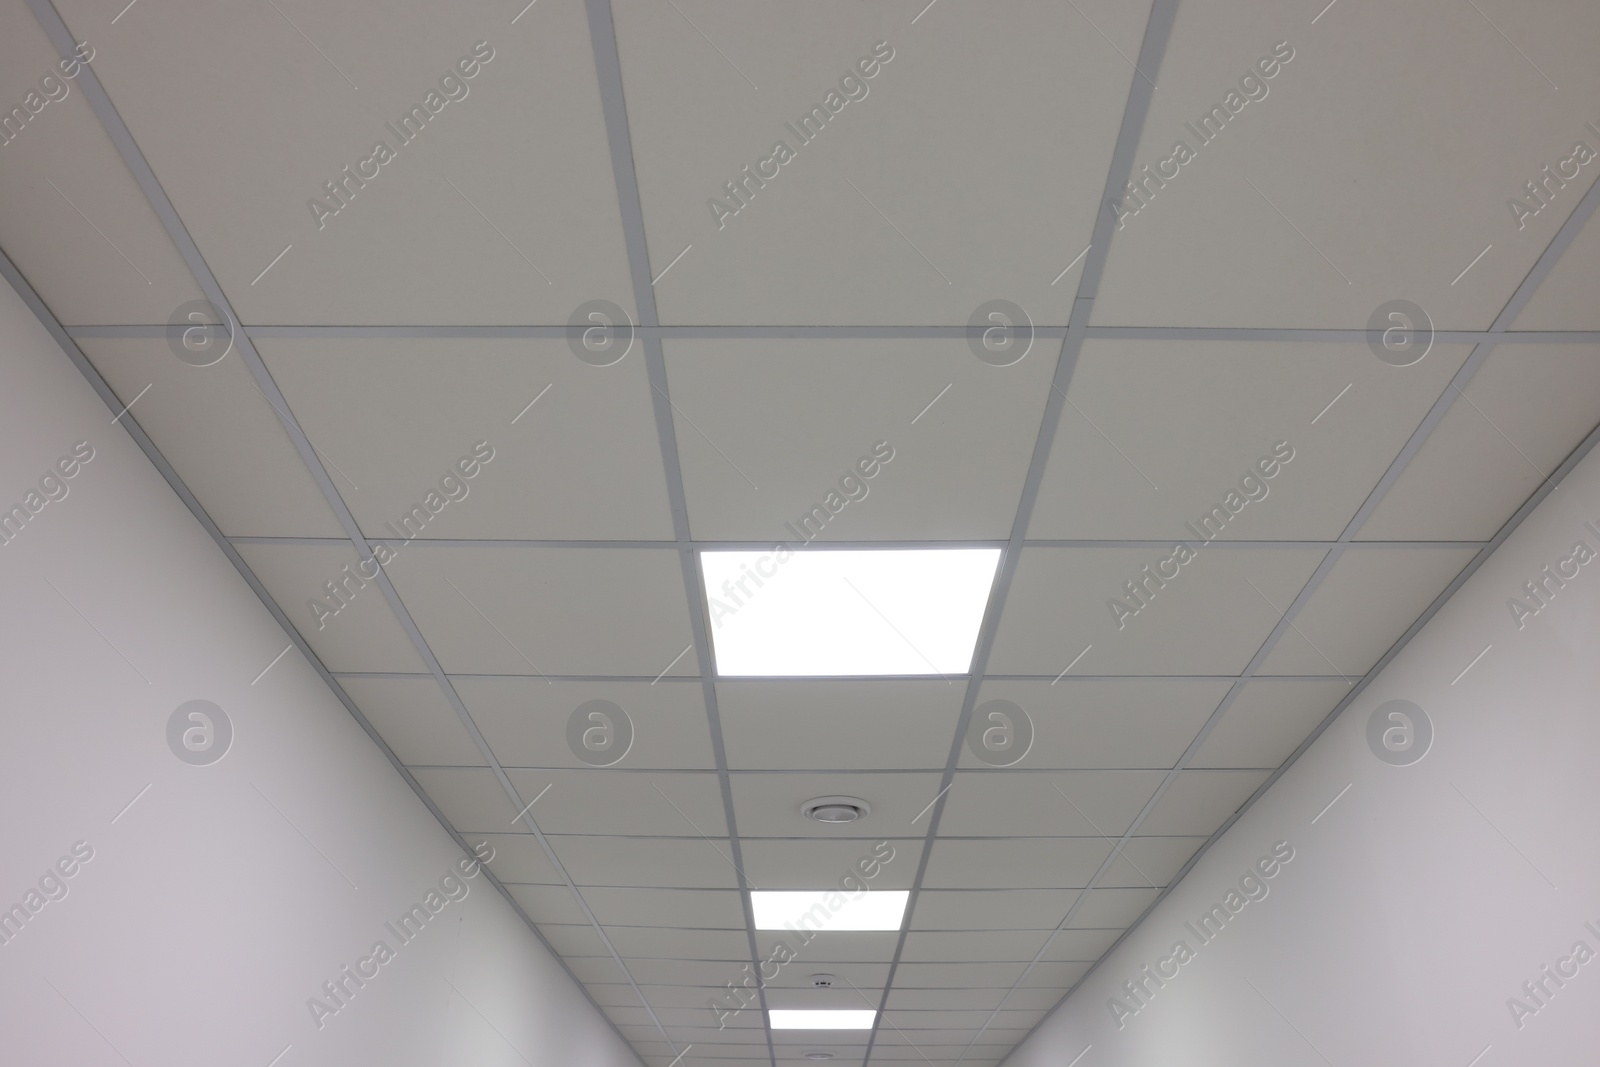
x,y
819,1055
822,981
835,810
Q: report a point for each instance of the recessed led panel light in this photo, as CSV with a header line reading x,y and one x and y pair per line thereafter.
x,y
877,909
821,1018
822,612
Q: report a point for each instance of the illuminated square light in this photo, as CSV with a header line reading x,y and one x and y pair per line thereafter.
x,y
828,909
821,1018
825,612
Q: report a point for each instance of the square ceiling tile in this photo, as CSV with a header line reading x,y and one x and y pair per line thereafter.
x,y
869,221
1055,976
1367,600
525,720
596,801
415,720
1201,439
574,940
963,946
221,435
1149,861
443,230
1523,413
472,799
1028,863
836,946
1565,298
642,942
362,635
1271,222
799,725
1062,603
549,904
1267,722
405,417
1066,804
518,858
880,435
77,225
699,908
1198,802
991,909
943,999
541,611
1105,723
1105,908
768,805
1080,946
790,863
647,862
952,975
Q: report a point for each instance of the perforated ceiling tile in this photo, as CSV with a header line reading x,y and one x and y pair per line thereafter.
x,y
1565,299
90,242
1077,608
1267,721
1265,218
535,722
1100,723
889,438
499,432
542,611
355,631
864,219
438,226
1197,802
1366,601
209,421
1195,440
415,720
1520,416
855,725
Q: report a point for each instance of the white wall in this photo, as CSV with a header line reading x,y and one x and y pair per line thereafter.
x,y
216,905
1418,905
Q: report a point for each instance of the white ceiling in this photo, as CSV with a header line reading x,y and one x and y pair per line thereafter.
x,y
1168,357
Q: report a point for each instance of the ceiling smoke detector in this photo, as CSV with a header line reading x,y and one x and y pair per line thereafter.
x,y
822,981
835,810
819,1055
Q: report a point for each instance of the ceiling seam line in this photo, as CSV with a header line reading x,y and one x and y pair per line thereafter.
x,y
851,546
1519,298
133,157
1342,335
147,445
630,206
1152,49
